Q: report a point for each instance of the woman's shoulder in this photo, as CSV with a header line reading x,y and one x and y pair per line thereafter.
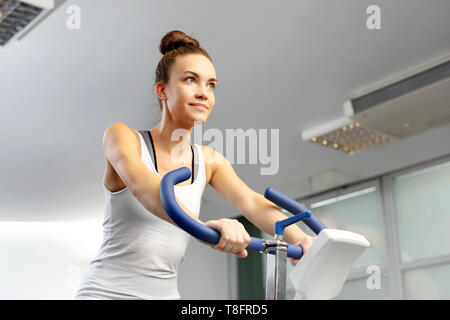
x,y
207,151
208,158
213,156
120,129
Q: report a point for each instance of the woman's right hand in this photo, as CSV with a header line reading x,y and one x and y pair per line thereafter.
x,y
234,238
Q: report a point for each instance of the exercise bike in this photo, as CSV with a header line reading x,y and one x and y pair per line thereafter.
x,y
321,271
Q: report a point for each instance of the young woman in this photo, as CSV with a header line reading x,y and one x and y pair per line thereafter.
x,y
142,248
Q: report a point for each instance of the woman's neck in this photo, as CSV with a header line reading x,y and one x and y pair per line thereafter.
x,y
172,139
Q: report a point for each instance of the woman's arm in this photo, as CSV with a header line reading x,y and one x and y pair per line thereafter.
x,y
121,150
254,206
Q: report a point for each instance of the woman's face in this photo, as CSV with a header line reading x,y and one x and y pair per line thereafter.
x,y
192,80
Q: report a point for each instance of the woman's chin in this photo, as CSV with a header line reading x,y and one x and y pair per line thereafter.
x,y
200,119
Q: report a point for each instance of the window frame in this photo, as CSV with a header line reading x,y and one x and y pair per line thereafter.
x,y
399,267
390,263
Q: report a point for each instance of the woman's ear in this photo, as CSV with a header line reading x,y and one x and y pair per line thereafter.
x,y
160,93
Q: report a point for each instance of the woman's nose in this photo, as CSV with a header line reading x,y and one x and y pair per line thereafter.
x,y
201,93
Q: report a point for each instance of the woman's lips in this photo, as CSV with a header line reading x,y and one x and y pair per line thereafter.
x,y
199,106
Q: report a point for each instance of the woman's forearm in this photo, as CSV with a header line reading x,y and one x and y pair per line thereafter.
x,y
264,214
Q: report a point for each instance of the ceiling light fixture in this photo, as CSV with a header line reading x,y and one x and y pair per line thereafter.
x,y
18,18
404,107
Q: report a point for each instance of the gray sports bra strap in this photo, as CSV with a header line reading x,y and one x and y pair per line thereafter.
x,y
148,142
146,136
195,163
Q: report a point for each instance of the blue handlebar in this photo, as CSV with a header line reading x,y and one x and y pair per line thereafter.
x,y
182,219
282,224
295,208
203,232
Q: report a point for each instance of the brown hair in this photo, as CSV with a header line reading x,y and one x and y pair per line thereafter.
x,y
174,44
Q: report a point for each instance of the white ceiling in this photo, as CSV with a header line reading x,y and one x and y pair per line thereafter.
x,y
287,65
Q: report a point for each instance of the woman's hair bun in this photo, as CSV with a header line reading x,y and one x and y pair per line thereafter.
x,y
176,39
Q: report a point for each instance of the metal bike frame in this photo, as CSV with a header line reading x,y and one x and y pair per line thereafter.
x,y
276,258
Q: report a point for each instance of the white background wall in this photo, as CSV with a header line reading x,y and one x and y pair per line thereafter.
x,y
46,260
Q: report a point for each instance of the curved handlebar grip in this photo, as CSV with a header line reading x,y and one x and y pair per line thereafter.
x,y
193,227
181,218
294,207
314,224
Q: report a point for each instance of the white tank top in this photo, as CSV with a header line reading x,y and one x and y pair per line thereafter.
x,y
141,253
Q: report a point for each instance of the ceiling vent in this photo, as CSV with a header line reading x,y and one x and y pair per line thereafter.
x,y
18,18
403,108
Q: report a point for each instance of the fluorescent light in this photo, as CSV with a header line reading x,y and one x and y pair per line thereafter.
x,y
343,197
45,4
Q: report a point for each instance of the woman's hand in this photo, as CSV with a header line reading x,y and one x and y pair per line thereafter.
x,y
305,243
234,238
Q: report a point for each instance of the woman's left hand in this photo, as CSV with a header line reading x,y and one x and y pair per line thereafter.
x,y
233,236
305,243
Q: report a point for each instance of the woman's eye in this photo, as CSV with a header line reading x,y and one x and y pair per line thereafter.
x,y
212,84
